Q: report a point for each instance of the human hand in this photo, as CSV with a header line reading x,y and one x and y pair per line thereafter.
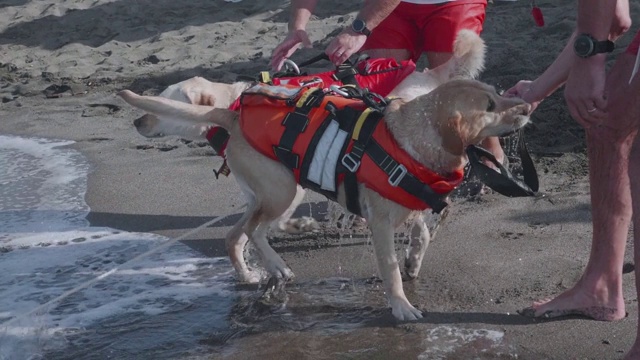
x,y
524,90
584,91
288,46
344,45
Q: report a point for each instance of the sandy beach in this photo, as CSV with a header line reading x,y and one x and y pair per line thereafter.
x,y
61,64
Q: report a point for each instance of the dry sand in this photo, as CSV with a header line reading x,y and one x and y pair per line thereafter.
x,y
492,256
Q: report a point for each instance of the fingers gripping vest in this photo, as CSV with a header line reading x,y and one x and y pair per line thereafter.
x,y
324,139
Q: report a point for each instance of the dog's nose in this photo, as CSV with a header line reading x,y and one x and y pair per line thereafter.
x,y
137,122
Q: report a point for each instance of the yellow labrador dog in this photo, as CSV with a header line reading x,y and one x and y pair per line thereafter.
x,y
433,128
466,63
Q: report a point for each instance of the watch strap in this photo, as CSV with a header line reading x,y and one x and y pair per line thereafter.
x,y
605,46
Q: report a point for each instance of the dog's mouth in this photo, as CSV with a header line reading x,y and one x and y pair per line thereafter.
x,y
519,122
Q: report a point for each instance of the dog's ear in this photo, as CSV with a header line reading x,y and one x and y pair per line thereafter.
x,y
451,134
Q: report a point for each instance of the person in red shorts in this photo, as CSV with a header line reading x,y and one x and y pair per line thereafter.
x,y
390,29
607,105
396,29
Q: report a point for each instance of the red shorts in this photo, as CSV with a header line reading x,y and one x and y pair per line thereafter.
x,y
427,28
635,43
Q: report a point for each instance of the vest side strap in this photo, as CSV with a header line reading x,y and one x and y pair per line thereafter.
x,y
403,179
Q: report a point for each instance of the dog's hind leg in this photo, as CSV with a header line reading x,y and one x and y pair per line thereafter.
x,y
418,243
235,242
296,225
278,270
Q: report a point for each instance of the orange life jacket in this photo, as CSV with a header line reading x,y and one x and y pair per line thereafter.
x,y
378,75
291,125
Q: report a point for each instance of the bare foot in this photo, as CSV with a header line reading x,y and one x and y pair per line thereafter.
x,y
577,301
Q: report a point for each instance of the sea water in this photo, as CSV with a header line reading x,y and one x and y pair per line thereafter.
x,y
47,247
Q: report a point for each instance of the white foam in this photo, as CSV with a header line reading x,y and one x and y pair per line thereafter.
x,y
443,341
47,247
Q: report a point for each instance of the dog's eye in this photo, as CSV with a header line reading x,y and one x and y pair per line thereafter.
x,y
492,105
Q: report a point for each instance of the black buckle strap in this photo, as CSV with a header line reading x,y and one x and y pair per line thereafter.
x,y
400,177
371,99
351,161
295,122
504,182
346,73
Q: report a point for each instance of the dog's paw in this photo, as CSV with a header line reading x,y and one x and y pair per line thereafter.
x,y
403,311
411,270
250,277
301,225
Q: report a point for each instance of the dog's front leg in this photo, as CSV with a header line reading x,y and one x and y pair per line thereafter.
x,y
419,241
382,233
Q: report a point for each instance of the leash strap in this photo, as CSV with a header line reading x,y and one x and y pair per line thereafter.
x,y
504,182
528,168
314,60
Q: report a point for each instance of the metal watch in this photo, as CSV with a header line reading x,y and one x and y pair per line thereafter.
x,y
360,27
586,45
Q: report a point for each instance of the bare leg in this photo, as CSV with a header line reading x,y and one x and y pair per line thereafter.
x,y
492,144
598,294
437,58
634,175
624,107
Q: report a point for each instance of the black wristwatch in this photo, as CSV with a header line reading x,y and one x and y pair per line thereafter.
x,y
360,27
586,45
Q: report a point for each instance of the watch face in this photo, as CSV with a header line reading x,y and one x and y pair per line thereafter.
x,y
358,25
583,46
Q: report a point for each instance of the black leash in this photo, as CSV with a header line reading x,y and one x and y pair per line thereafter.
x,y
504,182
315,59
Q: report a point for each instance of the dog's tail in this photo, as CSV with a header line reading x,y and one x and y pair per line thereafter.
x,y
160,106
468,55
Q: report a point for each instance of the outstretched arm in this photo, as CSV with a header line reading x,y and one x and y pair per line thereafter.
x,y
612,16
301,11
